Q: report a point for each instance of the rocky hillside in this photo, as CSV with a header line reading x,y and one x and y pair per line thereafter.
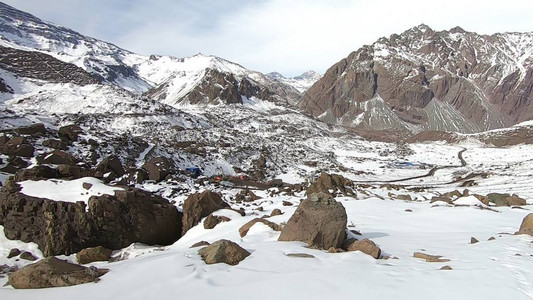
x,y
429,80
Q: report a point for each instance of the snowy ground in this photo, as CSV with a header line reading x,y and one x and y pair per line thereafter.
x,y
496,269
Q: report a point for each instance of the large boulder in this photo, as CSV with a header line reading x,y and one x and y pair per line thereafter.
x,y
134,215
223,251
37,173
319,221
111,221
158,168
17,146
57,157
331,184
70,133
53,272
111,164
527,225
200,205
33,129
56,144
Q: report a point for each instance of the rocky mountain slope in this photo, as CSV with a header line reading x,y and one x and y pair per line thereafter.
x,y
430,80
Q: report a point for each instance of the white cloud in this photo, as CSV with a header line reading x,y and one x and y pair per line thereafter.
x,y
273,35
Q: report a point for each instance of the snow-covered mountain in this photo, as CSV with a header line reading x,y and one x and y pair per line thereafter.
x,y
138,73
302,83
430,80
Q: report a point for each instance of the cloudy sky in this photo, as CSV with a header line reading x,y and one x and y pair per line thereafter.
x,y
289,36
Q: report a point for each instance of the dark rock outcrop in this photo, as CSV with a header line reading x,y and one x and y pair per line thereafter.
x,y
17,146
223,251
52,272
111,221
57,157
331,184
158,168
200,205
111,164
211,221
70,133
320,222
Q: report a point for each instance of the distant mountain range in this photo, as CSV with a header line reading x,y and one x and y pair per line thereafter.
x,y
419,80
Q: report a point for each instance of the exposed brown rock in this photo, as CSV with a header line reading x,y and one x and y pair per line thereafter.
x,y
28,256
328,183
199,244
33,129
430,258
366,246
70,133
527,225
244,228
505,199
321,223
223,251
56,144
473,240
447,268
13,252
111,221
111,164
17,146
211,221
200,205
57,157
89,255
52,272
276,212
158,168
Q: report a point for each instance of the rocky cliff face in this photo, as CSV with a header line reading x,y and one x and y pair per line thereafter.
x,y
427,80
41,66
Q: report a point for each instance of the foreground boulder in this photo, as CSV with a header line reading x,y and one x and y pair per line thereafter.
x,y
200,205
52,272
331,183
223,251
319,221
527,225
111,221
93,254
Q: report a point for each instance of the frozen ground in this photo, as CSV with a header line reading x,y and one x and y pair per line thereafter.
x,y
497,269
